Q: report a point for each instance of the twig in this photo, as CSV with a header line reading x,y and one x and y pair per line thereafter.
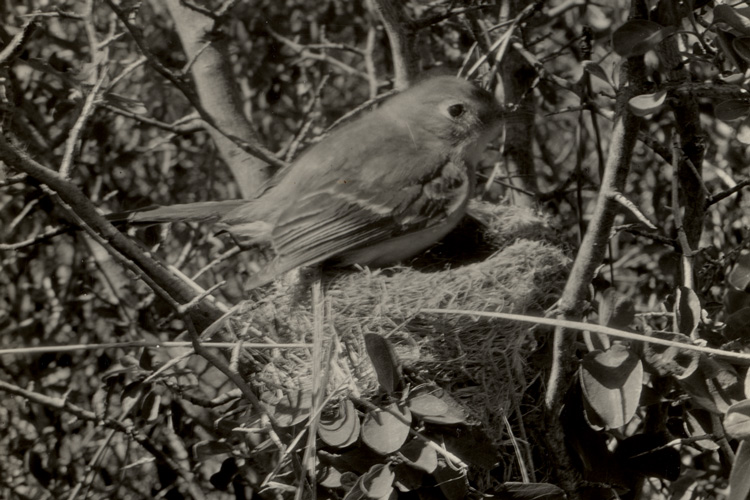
x,y
633,209
15,46
727,193
401,35
75,133
605,330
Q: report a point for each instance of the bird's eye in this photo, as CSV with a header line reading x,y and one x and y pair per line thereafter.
x,y
456,110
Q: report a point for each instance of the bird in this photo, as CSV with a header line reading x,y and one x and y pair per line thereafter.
x,y
376,191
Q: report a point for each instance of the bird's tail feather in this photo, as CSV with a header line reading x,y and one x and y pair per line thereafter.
x,y
204,211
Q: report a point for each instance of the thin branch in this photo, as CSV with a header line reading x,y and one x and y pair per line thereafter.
x,y
71,144
727,193
633,209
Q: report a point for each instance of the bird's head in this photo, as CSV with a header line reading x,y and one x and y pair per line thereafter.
x,y
448,108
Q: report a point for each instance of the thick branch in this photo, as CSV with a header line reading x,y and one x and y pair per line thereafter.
x,y
402,37
217,91
125,250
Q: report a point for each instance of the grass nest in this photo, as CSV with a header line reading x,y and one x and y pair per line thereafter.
x,y
503,259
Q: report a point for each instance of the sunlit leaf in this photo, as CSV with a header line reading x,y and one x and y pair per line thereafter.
x,y
687,310
645,104
383,432
611,382
341,429
737,421
378,481
739,479
739,278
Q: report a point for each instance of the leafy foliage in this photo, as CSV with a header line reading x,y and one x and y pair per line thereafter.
x,y
135,420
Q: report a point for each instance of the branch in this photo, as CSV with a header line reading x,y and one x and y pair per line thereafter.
x,y
216,91
126,251
729,192
402,37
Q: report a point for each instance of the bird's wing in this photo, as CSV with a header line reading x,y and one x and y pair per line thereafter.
x,y
204,211
329,222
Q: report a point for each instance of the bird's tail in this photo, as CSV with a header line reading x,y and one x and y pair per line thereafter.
x,y
204,211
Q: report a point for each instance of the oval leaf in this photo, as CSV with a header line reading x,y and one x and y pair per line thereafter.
x,y
203,450
342,429
737,325
638,36
420,456
743,131
611,382
741,45
452,482
739,479
670,361
687,311
737,421
293,408
385,362
739,278
645,104
427,405
616,309
733,109
694,427
383,432
378,481
596,70
732,17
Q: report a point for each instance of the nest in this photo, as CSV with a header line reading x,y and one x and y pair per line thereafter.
x,y
514,266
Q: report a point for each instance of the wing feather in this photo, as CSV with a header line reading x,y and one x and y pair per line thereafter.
x,y
330,222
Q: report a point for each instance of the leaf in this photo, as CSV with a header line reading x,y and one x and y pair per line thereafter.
x,y
532,491
737,421
378,481
737,325
131,394
420,456
594,69
733,17
645,104
739,278
383,432
733,78
611,382
427,405
150,406
739,479
732,109
687,310
203,450
743,131
437,409
741,46
670,361
329,477
694,427
452,482
342,429
385,362
293,408
638,36
616,309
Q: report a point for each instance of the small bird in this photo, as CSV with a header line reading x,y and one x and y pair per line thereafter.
x,y
376,191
